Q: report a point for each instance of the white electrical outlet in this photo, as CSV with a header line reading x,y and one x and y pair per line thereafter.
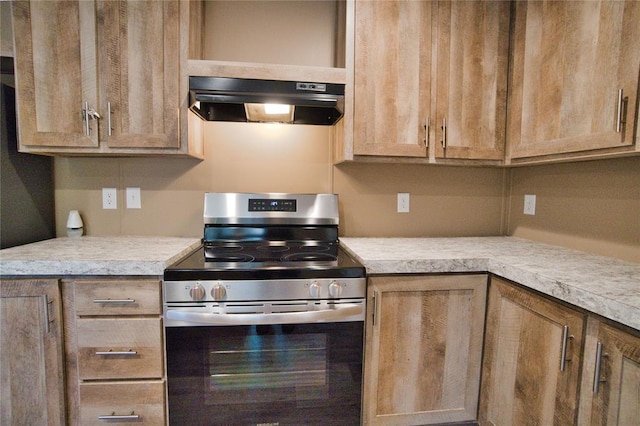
x,y
133,198
530,204
109,198
403,202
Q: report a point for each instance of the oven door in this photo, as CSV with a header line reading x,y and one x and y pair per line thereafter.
x,y
265,374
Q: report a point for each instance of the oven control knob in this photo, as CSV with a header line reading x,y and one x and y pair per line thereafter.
x,y
218,292
314,290
335,289
197,292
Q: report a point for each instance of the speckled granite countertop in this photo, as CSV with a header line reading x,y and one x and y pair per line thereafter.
x,y
602,285
95,256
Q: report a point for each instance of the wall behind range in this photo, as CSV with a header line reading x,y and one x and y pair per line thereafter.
x,y
239,157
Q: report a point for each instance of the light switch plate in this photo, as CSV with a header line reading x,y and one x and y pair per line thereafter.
x,y
530,205
133,198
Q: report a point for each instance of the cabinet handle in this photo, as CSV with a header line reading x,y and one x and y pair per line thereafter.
x,y
427,125
444,132
111,301
596,374
117,353
89,114
115,416
375,306
565,343
47,320
85,117
109,129
622,107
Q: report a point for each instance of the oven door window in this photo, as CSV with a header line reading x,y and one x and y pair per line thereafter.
x,y
302,374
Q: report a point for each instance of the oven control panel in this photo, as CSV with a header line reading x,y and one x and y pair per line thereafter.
x,y
271,205
255,290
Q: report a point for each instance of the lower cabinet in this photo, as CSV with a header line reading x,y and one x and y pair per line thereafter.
x,y
610,391
532,359
119,352
423,348
31,353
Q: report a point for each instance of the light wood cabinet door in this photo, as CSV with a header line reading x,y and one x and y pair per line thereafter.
x,y
138,46
423,348
611,377
392,84
471,81
571,59
31,353
532,359
56,73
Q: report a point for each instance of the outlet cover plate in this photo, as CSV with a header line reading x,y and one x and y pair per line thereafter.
x,y
530,204
403,202
109,198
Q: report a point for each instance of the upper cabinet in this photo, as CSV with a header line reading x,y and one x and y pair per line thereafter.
x,y
392,77
430,79
471,82
139,63
56,75
574,79
99,77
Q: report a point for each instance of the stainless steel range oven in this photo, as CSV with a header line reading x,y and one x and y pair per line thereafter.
x,y
264,323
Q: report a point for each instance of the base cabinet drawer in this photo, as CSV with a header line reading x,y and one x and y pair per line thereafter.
x,y
122,403
118,297
120,348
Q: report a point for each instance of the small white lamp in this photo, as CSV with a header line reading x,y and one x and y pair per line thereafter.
x,y
74,224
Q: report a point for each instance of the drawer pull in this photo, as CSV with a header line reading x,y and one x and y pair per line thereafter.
x,y
114,416
105,301
118,353
566,337
597,379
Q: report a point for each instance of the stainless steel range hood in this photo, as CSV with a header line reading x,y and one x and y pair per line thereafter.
x,y
243,100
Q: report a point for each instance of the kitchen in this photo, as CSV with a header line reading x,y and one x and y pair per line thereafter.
x,y
576,201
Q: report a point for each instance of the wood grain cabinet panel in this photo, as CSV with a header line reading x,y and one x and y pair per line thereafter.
x,y
612,359
431,76
423,349
570,60
56,73
392,77
471,82
120,348
139,60
532,359
31,353
122,404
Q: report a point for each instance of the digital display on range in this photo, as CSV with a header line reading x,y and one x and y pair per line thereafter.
x,y
271,205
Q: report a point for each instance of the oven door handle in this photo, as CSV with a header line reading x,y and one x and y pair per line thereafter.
x,y
341,312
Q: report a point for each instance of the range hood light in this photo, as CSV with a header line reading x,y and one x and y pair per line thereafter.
x,y
275,109
269,113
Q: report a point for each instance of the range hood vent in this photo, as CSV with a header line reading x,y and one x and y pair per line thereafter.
x,y
236,99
